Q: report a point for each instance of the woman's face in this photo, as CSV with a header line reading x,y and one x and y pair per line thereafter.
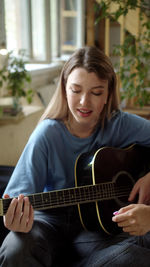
x,y
86,96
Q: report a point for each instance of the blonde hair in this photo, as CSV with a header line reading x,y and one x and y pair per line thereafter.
x,y
92,60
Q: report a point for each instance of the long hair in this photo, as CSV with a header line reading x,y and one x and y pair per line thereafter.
x,y
92,60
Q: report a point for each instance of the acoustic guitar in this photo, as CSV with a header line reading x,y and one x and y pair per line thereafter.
x,y
103,181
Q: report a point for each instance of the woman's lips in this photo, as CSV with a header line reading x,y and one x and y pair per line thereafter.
x,y
84,112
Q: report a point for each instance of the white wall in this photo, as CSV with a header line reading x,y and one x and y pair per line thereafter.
x,y
14,134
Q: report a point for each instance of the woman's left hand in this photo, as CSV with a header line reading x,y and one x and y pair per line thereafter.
x,y
142,188
134,219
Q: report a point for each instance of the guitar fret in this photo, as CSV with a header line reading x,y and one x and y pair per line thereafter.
x,y
100,189
82,193
72,195
66,196
77,189
87,193
60,197
113,189
99,192
37,200
31,199
69,196
105,190
46,198
54,198
109,192
93,193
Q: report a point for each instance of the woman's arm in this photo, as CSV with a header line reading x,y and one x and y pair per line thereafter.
x,y
134,219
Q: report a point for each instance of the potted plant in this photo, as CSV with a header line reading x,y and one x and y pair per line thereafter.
x,y
134,52
134,73
14,83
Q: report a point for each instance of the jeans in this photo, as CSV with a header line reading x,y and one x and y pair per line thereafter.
x,y
58,240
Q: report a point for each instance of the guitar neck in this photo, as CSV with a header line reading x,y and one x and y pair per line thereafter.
x,y
68,197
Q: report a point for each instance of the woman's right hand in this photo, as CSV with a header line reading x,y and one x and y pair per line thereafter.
x,y
134,219
20,215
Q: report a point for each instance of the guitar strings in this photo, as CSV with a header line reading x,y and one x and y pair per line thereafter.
x,y
99,194
70,199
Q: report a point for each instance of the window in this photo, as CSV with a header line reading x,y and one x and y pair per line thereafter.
x,y
26,27
46,29
67,26
40,28
72,25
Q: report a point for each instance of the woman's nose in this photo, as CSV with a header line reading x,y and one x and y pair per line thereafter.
x,y
84,99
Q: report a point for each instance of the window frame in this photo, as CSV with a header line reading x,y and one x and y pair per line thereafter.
x,y
2,25
49,57
47,30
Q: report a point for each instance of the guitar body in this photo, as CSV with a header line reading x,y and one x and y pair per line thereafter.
x,y
117,170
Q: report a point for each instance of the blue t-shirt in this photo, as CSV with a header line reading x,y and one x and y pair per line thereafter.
x,y
48,160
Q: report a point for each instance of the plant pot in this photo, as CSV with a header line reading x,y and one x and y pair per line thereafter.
x,y
9,106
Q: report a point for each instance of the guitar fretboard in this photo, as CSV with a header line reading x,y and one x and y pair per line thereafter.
x,y
71,196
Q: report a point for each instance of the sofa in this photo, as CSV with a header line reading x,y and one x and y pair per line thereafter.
x,y
5,173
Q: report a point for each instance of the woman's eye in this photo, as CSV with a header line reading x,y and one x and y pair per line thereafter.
x,y
75,91
97,94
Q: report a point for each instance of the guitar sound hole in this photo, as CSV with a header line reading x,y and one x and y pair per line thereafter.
x,y
123,186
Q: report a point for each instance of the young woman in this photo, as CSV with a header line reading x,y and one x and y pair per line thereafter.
x,y
83,116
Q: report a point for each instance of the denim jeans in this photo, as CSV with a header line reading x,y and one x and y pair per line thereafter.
x,y
58,240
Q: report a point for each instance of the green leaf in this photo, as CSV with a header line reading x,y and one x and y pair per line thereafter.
x,y
1,83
